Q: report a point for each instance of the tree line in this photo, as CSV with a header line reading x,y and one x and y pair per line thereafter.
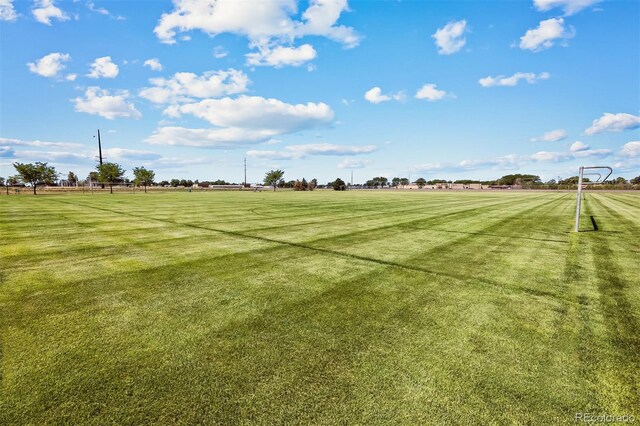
x,y
111,174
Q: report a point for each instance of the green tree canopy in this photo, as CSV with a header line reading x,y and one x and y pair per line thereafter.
x,y
339,185
143,176
272,177
110,173
36,174
421,182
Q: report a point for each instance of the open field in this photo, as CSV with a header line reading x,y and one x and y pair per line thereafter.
x,y
321,307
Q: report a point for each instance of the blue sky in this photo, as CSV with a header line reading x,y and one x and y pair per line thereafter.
x,y
438,89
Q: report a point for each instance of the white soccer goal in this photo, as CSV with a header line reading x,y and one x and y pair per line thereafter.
x,y
581,174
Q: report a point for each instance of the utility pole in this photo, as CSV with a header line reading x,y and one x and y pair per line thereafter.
x,y
99,153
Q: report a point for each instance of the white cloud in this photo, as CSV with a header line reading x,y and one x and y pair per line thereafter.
x,y
7,11
569,6
100,102
255,112
130,154
185,86
375,96
331,149
45,10
154,64
219,52
273,155
101,10
450,38
49,65
257,21
631,149
71,77
545,35
430,93
513,80
550,156
208,138
266,24
38,143
551,136
280,56
613,123
103,67
301,151
352,163
578,146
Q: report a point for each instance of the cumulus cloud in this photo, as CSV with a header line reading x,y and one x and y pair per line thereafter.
x,y
7,152
352,163
545,35
280,56
7,11
430,93
185,86
103,67
243,120
45,10
613,123
208,138
101,10
293,152
49,65
264,24
130,154
631,149
154,64
375,96
513,80
550,156
101,102
569,7
37,143
255,112
450,38
578,146
551,136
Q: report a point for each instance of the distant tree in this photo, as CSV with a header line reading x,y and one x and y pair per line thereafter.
x,y
551,182
620,181
175,182
404,182
143,176
297,186
1,181
164,183
13,180
635,180
204,184
110,173
72,178
36,174
339,185
421,182
395,182
313,183
92,177
272,177
305,184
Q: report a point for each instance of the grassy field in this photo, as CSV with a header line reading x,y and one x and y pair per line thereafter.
x,y
318,308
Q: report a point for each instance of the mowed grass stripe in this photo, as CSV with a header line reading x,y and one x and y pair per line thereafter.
x,y
510,330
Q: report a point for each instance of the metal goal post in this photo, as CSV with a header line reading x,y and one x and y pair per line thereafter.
x,y
581,174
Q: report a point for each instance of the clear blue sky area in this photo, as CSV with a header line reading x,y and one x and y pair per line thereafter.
x,y
438,89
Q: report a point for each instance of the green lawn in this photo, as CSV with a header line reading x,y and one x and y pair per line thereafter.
x,y
318,308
